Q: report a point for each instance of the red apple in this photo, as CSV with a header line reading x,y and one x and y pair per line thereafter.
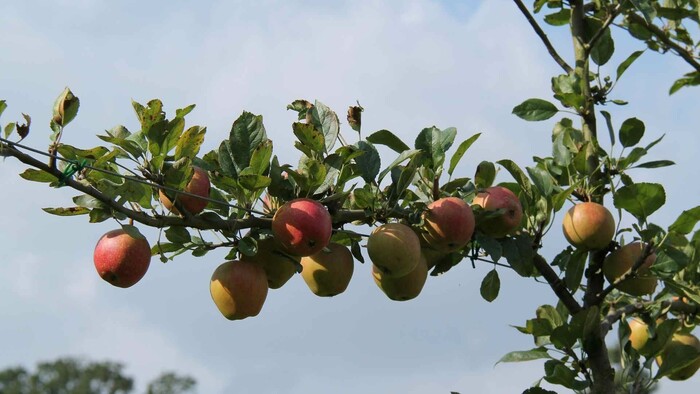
x,y
121,259
239,289
497,198
302,226
448,224
199,185
589,226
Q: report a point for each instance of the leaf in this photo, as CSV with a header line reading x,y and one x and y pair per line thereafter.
x,y
309,137
31,174
189,143
517,174
247,133
491,246
260,158
611,130
631,132
327,122
9,128
627,62
407,154
655,164
646,7
685,223
525,355
389,139
70,211
604,48
178,235
254,182
435,142
3,107
640,199
369,162
535,110
542,180
461,150
490,286
559,18
574,270
355,117
485,174
65,108
677,357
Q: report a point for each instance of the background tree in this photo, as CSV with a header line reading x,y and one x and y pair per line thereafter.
x,y
354,188
76,376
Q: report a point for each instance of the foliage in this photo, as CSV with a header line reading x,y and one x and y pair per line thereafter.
x,y
76,376
121,181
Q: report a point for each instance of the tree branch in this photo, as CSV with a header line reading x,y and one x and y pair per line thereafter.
x,y
198,221
663,37
545,40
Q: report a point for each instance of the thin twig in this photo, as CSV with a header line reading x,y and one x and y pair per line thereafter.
x,y
545,40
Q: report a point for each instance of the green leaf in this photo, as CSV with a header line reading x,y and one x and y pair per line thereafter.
x,y
559,18
560,152
189,143
517,174
538,390
490,286
491,246
461,150
88,202
405,155
435,142
542,180
603,49
327,122
9,128
628,62
485,174
611,129
389,139
174,130
3,106
640,199
631,132
226,159
574,270
247,133
535,110
70,211
685,223
254,182
65,108
31,174
556,372
525,355
655,164
260,158
309,137
369,162
690,79
178,235
646,7
676,358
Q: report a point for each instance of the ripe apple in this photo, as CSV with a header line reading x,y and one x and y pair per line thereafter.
x,y
302,226
279,266
199,184
448,224
394,249
639,333
328,273
589,226
405,287
239,289
621,260
499,198
121,259
680,339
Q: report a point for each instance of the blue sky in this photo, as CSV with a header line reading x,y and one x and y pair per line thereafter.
x,y
411,64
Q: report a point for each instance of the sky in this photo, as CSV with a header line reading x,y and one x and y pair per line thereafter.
x,y
411,64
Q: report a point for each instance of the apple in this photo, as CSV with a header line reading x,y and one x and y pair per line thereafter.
x,y
621,260
239,289
394,249
589,226
403,288
328,273
448,224
199,185
121,259
639,333
681,339
279,266
497,198
302,226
